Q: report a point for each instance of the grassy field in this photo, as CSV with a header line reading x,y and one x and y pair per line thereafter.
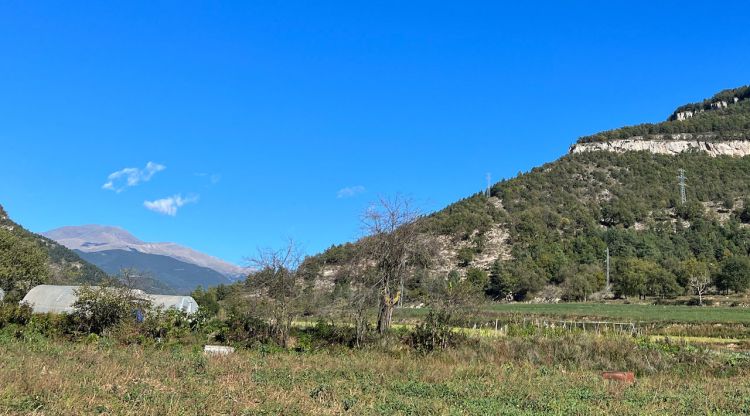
x,y
611,312
693,366
525,376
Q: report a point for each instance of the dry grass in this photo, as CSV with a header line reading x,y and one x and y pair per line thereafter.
x,y
40,376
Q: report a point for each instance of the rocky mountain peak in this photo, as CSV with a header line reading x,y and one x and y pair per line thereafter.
x,y
92,234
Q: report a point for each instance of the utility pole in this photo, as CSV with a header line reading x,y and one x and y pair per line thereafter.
x,y
608,285
682,178
489,184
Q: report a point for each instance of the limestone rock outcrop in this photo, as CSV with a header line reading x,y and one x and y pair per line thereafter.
x,y
734,148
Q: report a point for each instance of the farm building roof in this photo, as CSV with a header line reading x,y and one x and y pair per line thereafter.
x,y
60,299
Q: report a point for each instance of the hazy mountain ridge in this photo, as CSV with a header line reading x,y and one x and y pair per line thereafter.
x,y
97,238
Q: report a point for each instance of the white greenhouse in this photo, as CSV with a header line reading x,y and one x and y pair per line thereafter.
x,y
182,303
60,299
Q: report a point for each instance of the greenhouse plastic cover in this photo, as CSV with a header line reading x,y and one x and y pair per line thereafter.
x,y
60,299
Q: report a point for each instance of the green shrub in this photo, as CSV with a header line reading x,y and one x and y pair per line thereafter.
x,y
166,324
101,308
14,314
436,332
697,302
244,329
465,256
53,325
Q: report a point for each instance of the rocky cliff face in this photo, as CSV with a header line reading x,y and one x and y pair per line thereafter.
x,y
672,146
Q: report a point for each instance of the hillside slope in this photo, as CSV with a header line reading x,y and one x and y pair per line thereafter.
x,y
725,116
548,230
175,276
66,267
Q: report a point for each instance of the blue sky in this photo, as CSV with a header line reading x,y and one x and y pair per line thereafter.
x,y
268,120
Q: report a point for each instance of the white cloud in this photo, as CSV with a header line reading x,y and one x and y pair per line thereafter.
x,y
125,178
169,205
350,191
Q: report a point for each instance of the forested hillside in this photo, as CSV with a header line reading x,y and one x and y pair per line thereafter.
x,y
28,259
545,233
160,274
725,116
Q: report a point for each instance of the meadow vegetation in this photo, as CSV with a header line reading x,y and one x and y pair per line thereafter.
x,y
543,372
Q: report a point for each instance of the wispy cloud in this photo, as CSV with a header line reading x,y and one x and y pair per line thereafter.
x,y
350,191
169,205
125,178
214,178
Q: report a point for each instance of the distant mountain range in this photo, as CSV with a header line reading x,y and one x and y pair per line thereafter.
x,y
113,248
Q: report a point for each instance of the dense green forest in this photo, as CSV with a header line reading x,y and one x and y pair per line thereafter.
x,y
563,216
725,123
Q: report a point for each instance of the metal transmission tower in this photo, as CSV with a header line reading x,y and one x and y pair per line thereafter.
x,y
682,178
489,184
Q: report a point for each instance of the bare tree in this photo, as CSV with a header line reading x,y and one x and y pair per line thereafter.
x,y
392,246
700,285
280,286
363,294
132,279
698,277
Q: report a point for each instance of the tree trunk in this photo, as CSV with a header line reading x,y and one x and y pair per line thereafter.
x,y
385,314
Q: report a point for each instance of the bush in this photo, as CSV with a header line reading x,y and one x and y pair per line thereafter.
x,y
166,324
101,308
244,329
52,324
697,302
436,332
327,334
14,314
465,256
